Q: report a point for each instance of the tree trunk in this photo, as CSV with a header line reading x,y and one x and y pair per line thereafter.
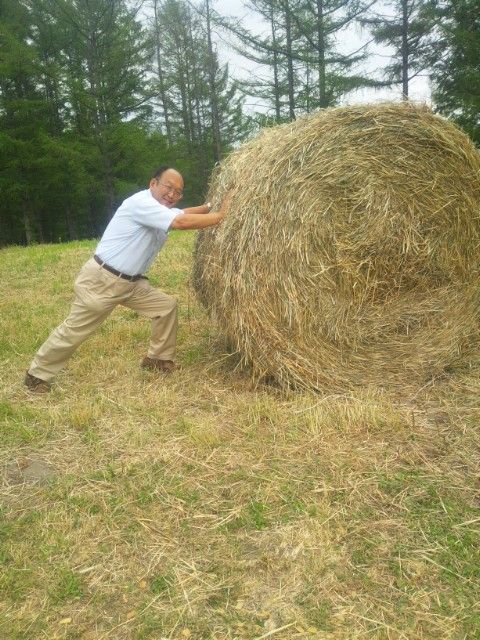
x,y
307,88
71,224
189,101
290,76
276,85
31,225
322,97
161,81
199,123
184,108
405,49
27,224
217,143
109,186
183,40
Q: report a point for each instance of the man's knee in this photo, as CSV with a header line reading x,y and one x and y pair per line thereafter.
x,y
171,304
167,307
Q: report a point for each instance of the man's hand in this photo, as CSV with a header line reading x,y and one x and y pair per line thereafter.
x,y
206,208
202,216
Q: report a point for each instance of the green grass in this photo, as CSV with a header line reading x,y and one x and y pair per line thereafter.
x,y
20,424
198,506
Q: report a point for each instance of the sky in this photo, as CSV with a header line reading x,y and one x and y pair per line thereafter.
x,y
240,67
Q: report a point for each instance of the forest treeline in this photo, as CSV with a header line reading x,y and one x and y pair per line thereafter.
x,y
94,94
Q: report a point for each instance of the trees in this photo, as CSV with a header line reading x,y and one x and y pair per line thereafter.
x,y
92,98
71,73
83,120
104,57
456,65
22,108
320,23
199,105
406,30
309,71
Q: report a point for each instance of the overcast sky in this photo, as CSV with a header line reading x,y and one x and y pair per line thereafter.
x,y
240,67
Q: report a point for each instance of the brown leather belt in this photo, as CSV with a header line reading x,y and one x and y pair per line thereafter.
x,y
117,273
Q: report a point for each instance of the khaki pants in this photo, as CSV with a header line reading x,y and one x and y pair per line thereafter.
x,y
97,293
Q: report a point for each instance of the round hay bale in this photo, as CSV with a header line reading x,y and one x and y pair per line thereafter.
x,y
350,252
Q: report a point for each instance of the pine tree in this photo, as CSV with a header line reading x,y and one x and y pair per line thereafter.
x,y
407,31
23,114
456,63
73,107
105,53
202,105
308,70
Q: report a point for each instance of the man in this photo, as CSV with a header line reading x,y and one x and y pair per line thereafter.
x,y
114,275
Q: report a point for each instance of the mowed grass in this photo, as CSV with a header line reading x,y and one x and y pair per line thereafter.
x,y
198,506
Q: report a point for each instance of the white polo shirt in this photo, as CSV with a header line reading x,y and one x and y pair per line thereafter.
x,y
136,233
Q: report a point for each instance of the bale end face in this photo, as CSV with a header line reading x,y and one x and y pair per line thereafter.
x,y
350,252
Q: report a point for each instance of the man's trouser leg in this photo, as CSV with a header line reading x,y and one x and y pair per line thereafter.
x,y
95,300
162,309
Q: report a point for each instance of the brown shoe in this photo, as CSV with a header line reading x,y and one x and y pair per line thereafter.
x,y
36,384
165,366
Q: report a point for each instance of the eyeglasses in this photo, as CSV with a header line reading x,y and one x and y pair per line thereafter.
x,y
168,189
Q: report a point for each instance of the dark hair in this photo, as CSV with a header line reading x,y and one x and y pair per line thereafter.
x,y
160,171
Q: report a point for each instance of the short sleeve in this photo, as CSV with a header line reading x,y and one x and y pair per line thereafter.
x,y
146,211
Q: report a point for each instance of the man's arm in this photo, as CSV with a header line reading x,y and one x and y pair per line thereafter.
x,y
186,221
201,210
199,217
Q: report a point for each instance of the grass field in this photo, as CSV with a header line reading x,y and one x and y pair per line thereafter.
x,y
197,506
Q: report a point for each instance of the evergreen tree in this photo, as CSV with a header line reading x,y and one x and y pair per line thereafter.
x,y
308,69
82,120
456,63
73,114
407,31
23,114
202,106
105,52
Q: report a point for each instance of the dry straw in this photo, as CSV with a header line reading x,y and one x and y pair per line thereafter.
x,y
350,251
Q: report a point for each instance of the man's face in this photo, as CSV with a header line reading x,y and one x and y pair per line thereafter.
x,y
168,188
